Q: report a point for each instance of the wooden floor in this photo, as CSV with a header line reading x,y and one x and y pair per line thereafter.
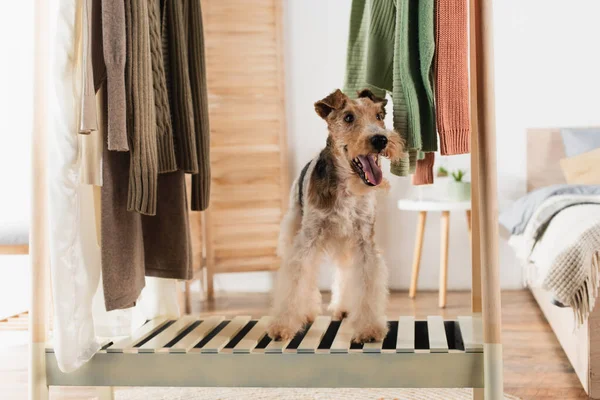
x,y
535,366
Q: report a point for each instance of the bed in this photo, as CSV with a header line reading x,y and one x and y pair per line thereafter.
x,y
577,328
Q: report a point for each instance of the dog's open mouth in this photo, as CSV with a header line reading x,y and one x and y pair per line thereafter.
x,y
368,167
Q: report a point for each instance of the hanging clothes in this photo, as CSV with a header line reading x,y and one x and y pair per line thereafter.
x,y
183,51
134,245
75,254
74,273
197,67
394,46
167,161
391,47
141,111
114,50
90,142
166,38
424,171
452,77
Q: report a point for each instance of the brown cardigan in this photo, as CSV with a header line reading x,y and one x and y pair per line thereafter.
x,y
197,68
164,129
180,87
141,110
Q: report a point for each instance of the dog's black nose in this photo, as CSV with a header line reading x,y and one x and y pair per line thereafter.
x,y
379,142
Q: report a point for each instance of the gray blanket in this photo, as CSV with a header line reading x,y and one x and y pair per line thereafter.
x,y
574,272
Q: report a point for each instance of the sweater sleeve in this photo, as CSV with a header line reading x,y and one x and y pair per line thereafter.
x,y
88,121
369,54
452,77
201,180
424,172
114,43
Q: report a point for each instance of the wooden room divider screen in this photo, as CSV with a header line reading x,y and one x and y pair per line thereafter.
x,y
244,56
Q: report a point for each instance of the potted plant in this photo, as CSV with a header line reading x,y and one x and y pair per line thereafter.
x,y
442,172
458,190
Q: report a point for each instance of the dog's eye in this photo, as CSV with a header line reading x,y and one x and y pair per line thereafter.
x,y
379,117
349,118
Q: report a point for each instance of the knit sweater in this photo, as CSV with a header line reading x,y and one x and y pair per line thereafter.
x,y
164,130
151,88
426,39
424,170
141,117
364,16
426,44
390,36
197,70
180,92
114,51
452,77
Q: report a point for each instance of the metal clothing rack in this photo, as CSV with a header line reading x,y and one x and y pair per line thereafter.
x,y
237,352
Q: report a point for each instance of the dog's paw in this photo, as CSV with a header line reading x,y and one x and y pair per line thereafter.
x,y
338,314
312,314
282,331
374,332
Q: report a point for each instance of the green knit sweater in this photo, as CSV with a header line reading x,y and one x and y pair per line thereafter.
x,y
390,48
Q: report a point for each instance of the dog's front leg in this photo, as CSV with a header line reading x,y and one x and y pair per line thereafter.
x,y
341,295
369,285
296,300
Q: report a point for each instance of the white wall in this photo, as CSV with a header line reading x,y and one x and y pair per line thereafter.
x,y
547,74
16,99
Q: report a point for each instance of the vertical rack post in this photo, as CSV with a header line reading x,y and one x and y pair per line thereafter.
x,y
482,13
475,226
38,236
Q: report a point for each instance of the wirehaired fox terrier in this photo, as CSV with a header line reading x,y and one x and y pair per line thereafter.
x,y
332,211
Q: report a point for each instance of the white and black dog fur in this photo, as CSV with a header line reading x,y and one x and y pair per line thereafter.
x,y
332,212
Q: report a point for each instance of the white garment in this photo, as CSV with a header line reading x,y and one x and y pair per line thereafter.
x,y
74,279
75,259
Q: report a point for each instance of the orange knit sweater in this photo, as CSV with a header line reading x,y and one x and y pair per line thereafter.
x,y
452,76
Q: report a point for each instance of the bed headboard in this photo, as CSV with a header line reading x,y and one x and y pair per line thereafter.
x,y
544,150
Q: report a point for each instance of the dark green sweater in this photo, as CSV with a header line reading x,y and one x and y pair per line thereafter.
x,y
390,48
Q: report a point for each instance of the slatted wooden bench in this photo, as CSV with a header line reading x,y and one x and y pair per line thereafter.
x,y
238,352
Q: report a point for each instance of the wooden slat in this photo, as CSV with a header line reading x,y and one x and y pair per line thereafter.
x,y
471,329
405,343
256,334
49,347
438,343
248,264
343,337
222,338
277,346
313,337
126,345
157,343
196,335
373,347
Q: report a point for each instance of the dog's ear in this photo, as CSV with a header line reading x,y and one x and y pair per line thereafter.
x,y
335,101
368,94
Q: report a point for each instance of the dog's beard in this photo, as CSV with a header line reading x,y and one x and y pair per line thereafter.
x,y
368,167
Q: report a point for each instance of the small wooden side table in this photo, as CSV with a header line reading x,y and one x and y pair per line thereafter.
x,y
423,207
